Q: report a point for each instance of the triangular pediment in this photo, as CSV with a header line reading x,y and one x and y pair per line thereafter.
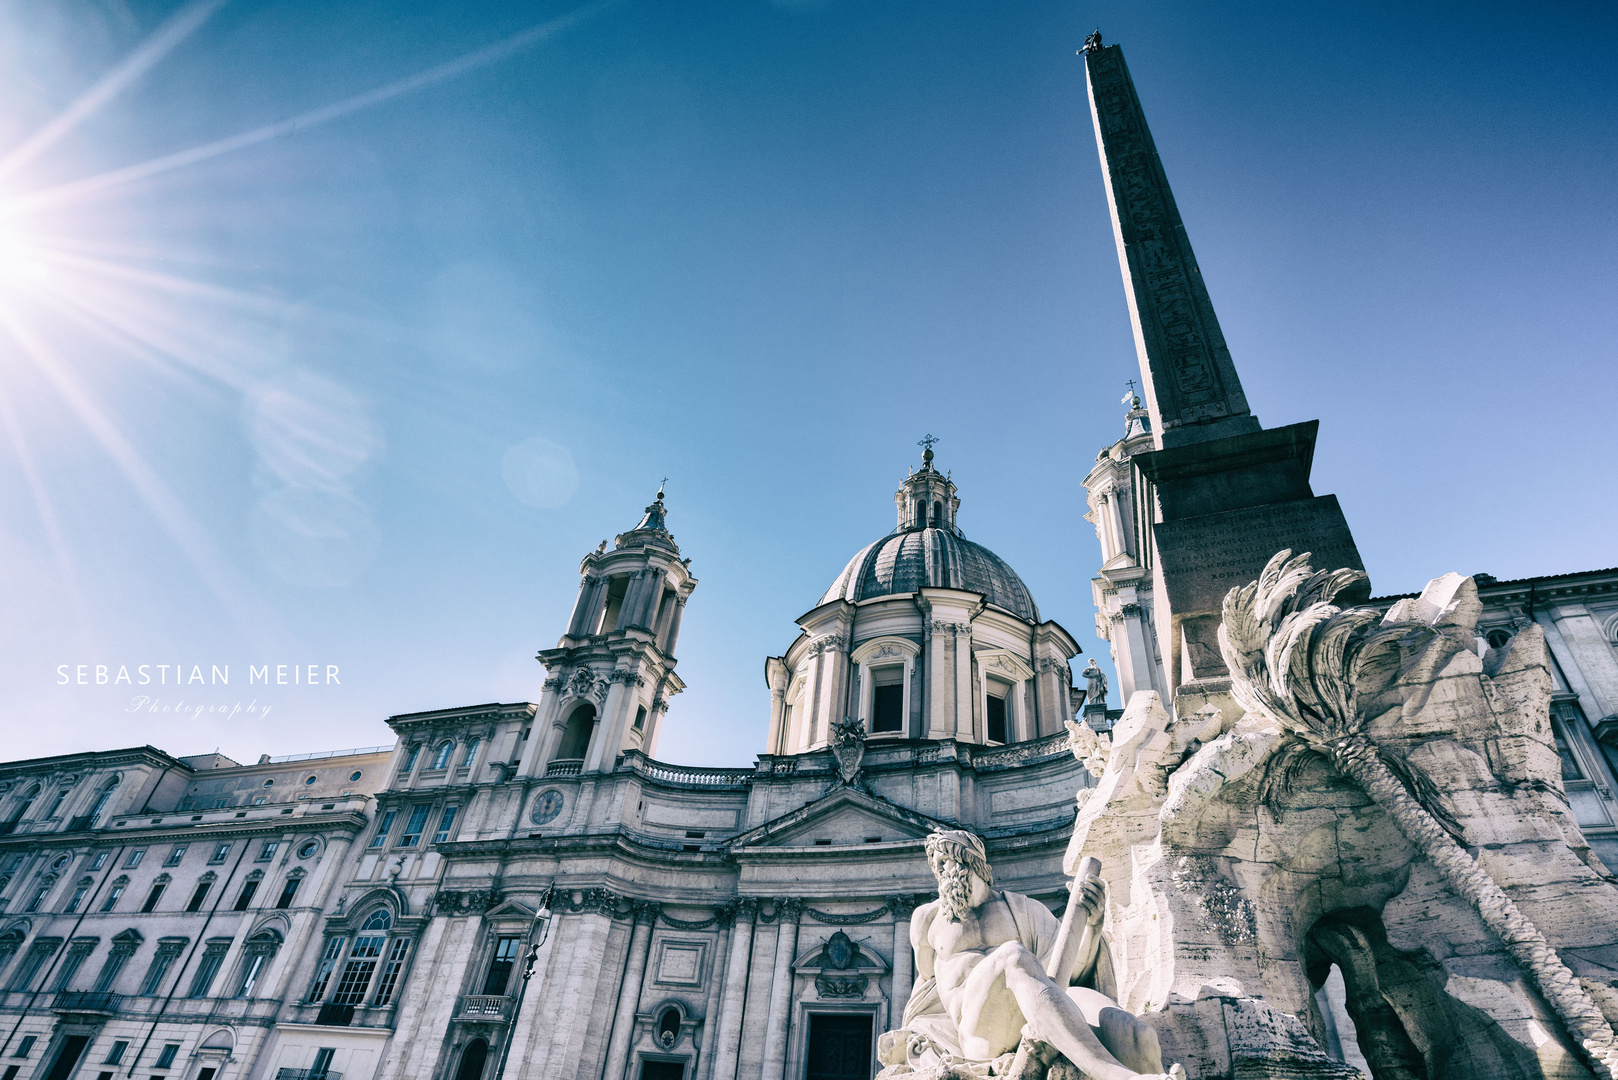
x,y
844,816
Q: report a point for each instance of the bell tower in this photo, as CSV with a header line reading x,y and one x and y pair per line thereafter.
x,y
609,680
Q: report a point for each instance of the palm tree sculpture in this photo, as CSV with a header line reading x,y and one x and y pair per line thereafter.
x,y
1296,658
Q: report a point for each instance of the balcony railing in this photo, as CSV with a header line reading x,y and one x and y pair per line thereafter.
x,y
86,1001
483,1007
335,1015
564,767
307,1074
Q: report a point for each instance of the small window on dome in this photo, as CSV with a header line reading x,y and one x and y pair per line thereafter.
x,y
938,515
995,712
887,699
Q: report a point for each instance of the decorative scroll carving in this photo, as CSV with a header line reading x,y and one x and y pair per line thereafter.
x,y
465,901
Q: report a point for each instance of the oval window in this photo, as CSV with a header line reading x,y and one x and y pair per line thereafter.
x,y
353,776
60,861
312,778
308,849
269,783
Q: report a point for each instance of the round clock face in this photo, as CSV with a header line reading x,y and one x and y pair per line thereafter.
x,y
548,806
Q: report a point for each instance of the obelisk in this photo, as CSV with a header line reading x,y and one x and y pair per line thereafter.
x,y
1224,493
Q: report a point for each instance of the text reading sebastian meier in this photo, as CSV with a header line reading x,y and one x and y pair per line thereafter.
x,y
176,675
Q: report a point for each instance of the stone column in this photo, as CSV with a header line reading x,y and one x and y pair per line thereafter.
x,y
965,697
733,1000
594,607
674,626
710,1008
581,607
609,732
903,957
623,1023
787,913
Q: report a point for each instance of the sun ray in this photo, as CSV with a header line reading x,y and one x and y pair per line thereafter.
x,y
186,531
162,41
93,185
47,513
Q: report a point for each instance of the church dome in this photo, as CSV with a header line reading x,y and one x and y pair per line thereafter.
x,y
927,551
910,559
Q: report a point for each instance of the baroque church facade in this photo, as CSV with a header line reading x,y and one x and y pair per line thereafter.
x,y
525,890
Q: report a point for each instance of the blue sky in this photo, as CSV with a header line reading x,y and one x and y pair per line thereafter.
x,y
336,334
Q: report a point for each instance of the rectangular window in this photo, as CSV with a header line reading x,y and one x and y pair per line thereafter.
x,y
250,973
134,858
112,898
32,962
38,898
176,853
160,967
383,829
25,1047
11,1072
887,699
99,861
206,1074
115,1056
322,1064
166,1058
288,891
213,958
446,822
357,972
267,852
197,897
77,953
412,829
110,969
391,971
328,961
245,897
996,720
153,897
77,899
500,966
220,853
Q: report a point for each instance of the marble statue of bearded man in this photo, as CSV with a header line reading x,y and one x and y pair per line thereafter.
x,y
994,966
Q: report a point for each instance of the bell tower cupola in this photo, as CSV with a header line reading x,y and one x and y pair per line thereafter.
x,y
610,678
927,498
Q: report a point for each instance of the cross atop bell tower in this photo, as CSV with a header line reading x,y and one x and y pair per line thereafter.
x,y
1190,382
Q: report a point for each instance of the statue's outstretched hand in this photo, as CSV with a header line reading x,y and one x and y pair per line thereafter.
x,y
1091,894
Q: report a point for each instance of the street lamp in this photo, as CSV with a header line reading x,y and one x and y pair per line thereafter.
x,y
538,930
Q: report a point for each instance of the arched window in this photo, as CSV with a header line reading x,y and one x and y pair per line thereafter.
x,y
372,948
411,755
103,798
938,514
1498,637
10,942
576,736
22,807
471,751
473,1059
668,1027
257,953
441,755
